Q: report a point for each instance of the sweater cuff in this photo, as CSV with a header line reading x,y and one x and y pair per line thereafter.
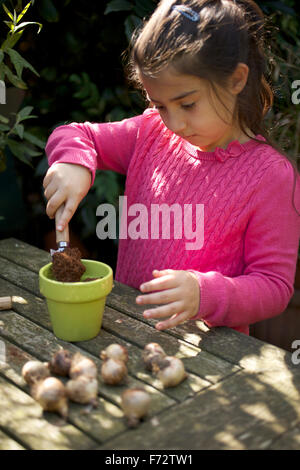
x,y
208,305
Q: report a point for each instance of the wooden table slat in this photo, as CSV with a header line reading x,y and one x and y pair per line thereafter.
x,y
24,254
8,443
21,416
232,414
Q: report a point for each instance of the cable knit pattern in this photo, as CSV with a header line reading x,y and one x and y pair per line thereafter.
x,y
246,266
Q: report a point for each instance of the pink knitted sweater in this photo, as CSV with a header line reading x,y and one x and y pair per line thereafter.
x,y
246,257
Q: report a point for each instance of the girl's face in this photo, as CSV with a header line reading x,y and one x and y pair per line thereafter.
x,y
189,109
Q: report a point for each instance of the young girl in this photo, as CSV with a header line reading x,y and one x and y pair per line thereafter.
x,y
201,144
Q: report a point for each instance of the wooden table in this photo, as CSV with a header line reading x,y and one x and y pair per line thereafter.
x,y
241,393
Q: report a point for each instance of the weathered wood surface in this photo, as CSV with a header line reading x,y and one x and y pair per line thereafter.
x,y
107,419
7,443
241,393
244,411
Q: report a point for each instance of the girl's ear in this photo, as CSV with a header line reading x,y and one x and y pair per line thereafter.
x,y
239,78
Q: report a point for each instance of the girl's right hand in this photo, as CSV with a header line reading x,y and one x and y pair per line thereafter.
x,y
65,183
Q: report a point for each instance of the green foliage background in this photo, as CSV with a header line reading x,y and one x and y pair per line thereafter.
x,y
79,56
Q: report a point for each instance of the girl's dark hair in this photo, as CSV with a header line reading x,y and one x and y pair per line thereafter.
x,y
226,32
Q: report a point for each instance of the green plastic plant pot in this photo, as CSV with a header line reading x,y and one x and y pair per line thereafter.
x,y
76,308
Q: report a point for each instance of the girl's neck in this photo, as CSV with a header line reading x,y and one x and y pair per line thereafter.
x,y
236,134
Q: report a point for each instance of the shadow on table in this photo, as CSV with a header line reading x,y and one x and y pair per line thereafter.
x,y
256,407
253,408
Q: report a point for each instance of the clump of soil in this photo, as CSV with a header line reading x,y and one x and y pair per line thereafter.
x,y
67,265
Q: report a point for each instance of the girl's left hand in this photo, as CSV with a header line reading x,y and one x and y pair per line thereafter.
x,y
179,290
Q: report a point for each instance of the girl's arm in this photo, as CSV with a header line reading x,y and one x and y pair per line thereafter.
x,y
76,151
270,254
106,146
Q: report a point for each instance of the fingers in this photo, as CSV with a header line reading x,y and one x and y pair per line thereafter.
x,y
164,280
66,216
47,179
164,311
50,187
163,272
163,297
56,199
65,184
178,297
175,320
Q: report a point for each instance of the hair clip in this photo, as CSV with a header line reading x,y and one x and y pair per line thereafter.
x,y
187,12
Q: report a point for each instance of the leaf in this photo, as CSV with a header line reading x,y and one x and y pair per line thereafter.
x,y
4,127
22,25
118,5
32,153
19,62
23,12
82,93
1,55
34,140
93,98
18,150
9,24
2,71
74,78
131,23
25,111
8,12
85,86
280,6
41,167
27,117
143,7
48,11
14,80
106,186
4,119
11,40
19,129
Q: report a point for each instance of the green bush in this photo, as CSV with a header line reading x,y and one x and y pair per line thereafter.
x,y
13,133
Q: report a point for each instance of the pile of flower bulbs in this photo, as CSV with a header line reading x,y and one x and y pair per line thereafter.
x,y
51,393
82,384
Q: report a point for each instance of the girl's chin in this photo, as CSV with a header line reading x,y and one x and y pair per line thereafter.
x,y
196,140
203,144
192,138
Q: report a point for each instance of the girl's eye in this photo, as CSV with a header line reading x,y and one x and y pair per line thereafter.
x,y
188,106
183,106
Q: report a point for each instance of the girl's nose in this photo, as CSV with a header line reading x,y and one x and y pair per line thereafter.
x,y
175,123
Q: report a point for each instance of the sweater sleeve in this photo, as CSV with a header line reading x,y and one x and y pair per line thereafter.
x,y
106,146
271,244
